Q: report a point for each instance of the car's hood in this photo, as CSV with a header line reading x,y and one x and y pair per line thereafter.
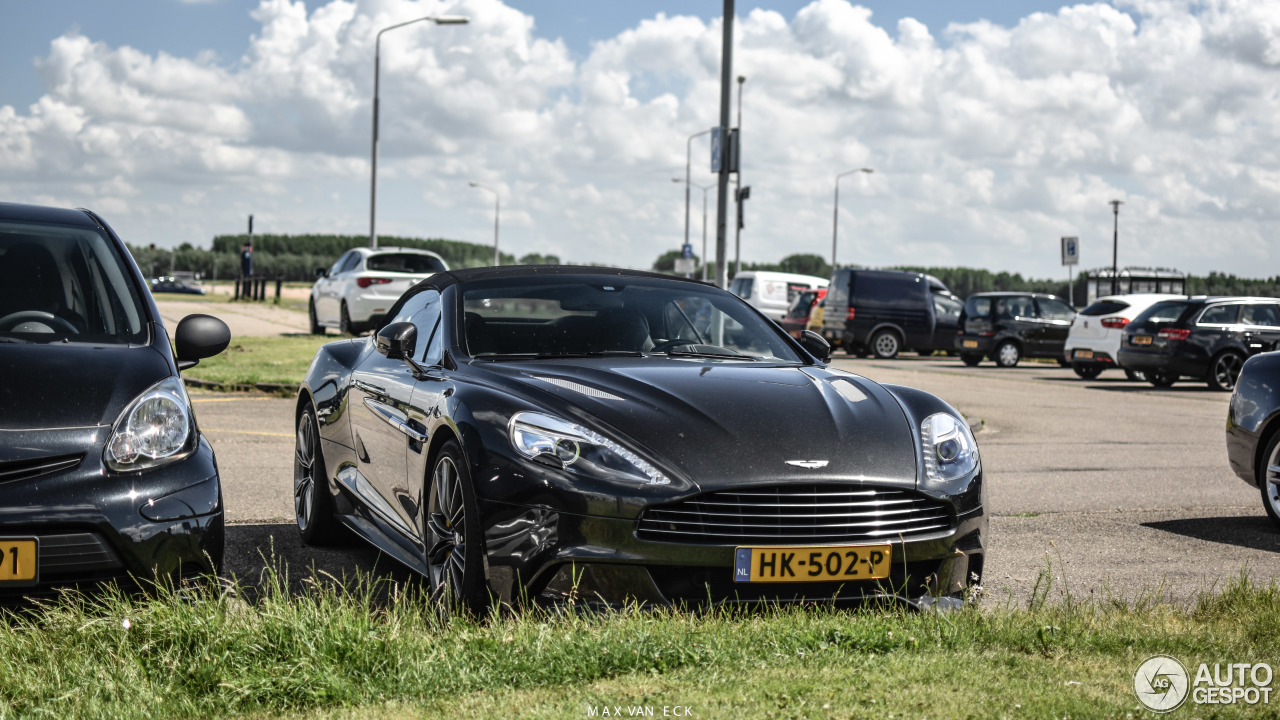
x,y
733,423
67,385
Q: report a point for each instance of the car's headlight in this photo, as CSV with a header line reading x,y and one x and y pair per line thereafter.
x,y
949,449
567,445
155,429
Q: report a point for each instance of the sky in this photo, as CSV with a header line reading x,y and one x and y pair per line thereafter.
x,y
993,128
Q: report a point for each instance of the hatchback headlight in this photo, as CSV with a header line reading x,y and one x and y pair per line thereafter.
x,y
155,429
570,446
949,449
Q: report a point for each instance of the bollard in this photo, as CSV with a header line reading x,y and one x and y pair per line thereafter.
x,y
236,296
279,284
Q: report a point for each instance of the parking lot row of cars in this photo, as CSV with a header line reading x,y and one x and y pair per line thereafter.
x,y
1159,338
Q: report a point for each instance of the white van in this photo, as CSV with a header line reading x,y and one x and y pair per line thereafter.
x,y
772,292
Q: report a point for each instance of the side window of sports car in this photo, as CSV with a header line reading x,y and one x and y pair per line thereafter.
x,y
423,310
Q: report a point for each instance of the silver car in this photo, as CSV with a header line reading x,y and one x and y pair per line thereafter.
x,y
364,283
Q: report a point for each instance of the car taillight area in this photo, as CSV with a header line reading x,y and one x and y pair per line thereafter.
x,y
1175,333
365,282
1115,323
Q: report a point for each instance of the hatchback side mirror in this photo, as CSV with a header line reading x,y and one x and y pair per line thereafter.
x,y
198,337
816,345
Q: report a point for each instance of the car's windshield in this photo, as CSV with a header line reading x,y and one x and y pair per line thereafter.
x,y
557,317
404,263
65,283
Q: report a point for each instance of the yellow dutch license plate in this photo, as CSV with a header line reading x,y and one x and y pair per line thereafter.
x,y
18,561
970,343
811,564
1141,339
1084,354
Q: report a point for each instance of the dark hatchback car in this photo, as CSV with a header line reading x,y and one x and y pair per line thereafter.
x,y
1205,338
103,473
174,285
1253,429
1008,326
885,312
540,434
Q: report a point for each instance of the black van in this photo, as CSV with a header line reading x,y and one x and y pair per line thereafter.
x,y
886,311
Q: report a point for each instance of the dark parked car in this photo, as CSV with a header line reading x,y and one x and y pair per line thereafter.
x,y
887,311
1253,429
1008,326
105,475
797,319
174,285
541,433
1206,338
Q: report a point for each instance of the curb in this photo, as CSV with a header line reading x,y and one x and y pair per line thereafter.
x,y
275,388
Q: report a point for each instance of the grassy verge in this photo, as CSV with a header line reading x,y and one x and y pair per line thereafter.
x,y
370,651
281,359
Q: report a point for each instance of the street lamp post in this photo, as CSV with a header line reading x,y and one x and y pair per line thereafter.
x,y
495,218
737,185
688,178
704,189
1115,243
835,214
377,61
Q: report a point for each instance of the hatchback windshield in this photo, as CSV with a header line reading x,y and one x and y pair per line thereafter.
x,y
560,317
63,283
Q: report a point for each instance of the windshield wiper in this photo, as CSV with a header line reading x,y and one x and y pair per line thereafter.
x,y
726,355
14,340
558,355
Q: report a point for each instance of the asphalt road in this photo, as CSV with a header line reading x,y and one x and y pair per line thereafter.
x,y
1120,488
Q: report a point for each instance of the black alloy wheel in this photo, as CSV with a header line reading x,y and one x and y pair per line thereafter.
x,y
1269,472
885,344
453,553
1161,377
312,504
1088,371
1007,354
1225,370
316,327
970,359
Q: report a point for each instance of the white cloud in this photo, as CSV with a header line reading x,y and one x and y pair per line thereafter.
x,y
988,142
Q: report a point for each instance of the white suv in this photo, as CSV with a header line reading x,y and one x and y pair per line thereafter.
x,y
1094,339
364,283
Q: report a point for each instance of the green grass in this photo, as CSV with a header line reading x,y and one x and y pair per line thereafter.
x,y
373,650
247,361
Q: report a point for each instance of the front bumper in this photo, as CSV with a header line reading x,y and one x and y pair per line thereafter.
x,y
548,556
96,527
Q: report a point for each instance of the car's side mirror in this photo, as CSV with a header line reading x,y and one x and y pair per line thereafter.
x,y
322,272
816,345
398,340
198,337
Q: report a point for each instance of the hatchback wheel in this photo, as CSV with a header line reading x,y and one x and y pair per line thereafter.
x,y
1161,377
1088,371
970,359
1008,354
316,327
1270,474
1135,375
886,345
1225,370
453,554
345,326
312,504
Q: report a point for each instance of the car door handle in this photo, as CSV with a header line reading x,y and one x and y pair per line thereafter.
x,y
370,387
395,419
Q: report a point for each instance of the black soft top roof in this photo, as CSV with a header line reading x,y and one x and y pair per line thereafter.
x,y
41,213
442,280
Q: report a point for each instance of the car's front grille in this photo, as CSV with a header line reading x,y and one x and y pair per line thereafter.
x,y
790,514
35,467
76,553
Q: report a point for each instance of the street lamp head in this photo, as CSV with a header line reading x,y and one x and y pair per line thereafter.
x,y
742,79
867,170
451,20
473,183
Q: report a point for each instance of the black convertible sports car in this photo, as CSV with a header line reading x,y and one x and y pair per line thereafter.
x,y
1253,428
549,434
104,475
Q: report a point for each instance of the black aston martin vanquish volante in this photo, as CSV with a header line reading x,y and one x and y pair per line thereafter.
x,y
550,433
